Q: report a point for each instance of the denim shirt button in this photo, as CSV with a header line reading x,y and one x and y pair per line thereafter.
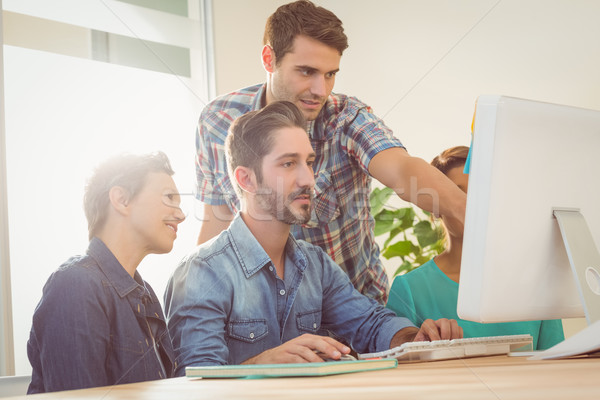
x,y
314,325
282,292
251,335
271,268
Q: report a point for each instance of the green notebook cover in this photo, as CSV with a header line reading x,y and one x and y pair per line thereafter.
x,y
279,370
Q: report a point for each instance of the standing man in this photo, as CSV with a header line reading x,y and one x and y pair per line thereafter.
x,y
303,45
257,295
98,322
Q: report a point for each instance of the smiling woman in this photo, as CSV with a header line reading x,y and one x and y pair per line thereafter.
x,y
96,312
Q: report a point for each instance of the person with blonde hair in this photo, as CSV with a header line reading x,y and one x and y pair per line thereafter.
x,y
431,290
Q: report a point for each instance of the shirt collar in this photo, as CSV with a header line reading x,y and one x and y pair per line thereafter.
x,y
261,95
251,256
316,127
113,270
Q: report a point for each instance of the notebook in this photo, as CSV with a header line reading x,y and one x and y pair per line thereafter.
x,y
281,370
455,348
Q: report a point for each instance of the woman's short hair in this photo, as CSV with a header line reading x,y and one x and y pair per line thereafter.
x,y
451,158
303,18
128,171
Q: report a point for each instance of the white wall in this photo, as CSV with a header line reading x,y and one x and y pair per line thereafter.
x,y
422,64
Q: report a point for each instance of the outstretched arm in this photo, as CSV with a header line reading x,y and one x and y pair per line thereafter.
x,y
414,180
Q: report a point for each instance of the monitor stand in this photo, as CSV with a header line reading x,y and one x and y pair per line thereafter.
x,y
585,264
584,259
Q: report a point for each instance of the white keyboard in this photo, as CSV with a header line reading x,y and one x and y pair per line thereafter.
x,y
456,348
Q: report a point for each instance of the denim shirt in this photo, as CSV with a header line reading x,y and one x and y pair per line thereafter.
x,y
92,327
226,304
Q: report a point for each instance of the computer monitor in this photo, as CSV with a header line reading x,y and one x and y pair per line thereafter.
x,y
529,158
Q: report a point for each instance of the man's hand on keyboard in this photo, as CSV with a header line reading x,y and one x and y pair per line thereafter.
x,y
430,330
441,329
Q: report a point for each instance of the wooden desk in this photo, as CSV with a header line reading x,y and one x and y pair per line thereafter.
x,y
498,377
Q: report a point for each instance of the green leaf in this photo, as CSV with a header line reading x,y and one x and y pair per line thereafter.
x,y
425,234
386,221
399,249
408,217
405,227
404,268
393,233
378,198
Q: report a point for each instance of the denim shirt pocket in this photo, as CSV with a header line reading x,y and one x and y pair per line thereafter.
x,y
249,330
325,204
309,321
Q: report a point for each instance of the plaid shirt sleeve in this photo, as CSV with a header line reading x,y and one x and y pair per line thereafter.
x,y
366,134
207,166
213,183
211,166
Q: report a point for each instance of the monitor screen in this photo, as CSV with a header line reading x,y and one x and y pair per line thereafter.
x,y
527,158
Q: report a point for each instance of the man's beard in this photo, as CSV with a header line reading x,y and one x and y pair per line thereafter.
x,y
279,207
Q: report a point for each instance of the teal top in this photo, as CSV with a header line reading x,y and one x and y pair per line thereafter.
x,y
427,292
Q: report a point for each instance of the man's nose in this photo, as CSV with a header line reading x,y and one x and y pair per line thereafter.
x,y
307,177
319,86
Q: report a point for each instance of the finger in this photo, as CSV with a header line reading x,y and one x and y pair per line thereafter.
x,y
326,350
290,358
326,345
291,352
341,347
429,330
445,328
457,331
307,354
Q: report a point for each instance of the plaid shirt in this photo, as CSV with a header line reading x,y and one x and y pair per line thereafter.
x,y
345,137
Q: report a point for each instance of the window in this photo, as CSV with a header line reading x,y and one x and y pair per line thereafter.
x,y
84,79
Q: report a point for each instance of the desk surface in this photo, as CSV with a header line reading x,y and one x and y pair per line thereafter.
x,y
498,377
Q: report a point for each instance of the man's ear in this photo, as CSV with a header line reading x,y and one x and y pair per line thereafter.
x,y
119,199
268,58
246,179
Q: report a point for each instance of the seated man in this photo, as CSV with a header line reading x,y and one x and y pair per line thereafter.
x,y
254,294
98,323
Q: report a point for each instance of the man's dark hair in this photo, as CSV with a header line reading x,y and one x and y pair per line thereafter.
x,y
128,171
250,136
303,18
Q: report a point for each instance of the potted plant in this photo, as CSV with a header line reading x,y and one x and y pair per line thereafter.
x,y
413,236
